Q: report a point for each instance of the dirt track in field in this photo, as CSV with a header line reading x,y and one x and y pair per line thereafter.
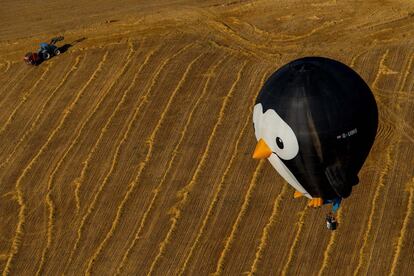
x,y
130,153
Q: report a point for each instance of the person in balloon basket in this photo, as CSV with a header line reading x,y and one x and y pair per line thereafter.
x,y
331,222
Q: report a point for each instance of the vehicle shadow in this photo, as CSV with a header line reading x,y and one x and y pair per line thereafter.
x,y
40,61
66,47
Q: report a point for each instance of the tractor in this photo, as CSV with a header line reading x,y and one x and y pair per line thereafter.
x,y
45,52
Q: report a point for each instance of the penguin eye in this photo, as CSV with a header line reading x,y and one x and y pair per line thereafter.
x,y
280,136
286,144
279,143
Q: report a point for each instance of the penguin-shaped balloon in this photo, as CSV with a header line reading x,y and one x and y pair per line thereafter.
x,y
315,120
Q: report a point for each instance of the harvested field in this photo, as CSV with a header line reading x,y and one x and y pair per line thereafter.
x,y
130,153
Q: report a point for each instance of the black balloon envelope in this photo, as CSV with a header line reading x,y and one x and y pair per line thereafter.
x,y
315,120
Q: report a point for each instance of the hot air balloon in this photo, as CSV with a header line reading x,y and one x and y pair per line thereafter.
x,y
315,120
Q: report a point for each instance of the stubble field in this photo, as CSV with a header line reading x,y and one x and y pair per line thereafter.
x,y
130,153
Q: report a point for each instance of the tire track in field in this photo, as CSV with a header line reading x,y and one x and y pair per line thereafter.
x,y
381,184
169,166
404,79
49,200
78,181
24,98
252,47
219,189
331,242
246,201
407,131
290,38
388,161
397,118
6,65
176,210
381,179
266,229
142,165
40,114
295,241
403,96
12,80
408,215
382,69
3,73
384,92
20,198
400,84
95,199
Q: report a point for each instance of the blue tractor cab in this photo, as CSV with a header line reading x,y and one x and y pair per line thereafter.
x,y
45,52
48,50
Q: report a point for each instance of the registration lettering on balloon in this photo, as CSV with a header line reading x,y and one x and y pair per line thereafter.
x,y
347,134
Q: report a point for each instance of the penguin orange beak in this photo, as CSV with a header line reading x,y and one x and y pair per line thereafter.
x,y
262,150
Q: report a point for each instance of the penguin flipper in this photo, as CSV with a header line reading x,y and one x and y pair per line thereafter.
x,y
340,182
315,202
